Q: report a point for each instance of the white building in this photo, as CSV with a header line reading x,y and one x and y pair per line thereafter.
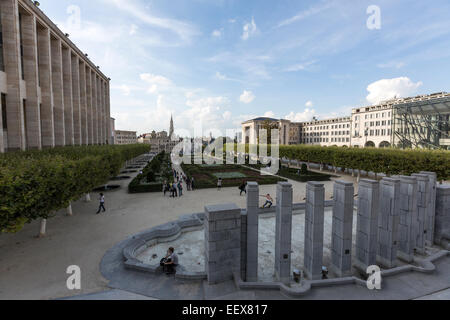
x,y
327,133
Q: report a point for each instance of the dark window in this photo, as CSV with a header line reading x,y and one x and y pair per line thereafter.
x,y
2,63
4,114
21,46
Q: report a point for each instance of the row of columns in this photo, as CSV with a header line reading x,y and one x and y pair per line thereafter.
x,y
394,219
62,100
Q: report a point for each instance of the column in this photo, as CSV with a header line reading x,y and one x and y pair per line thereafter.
x,y
431,212
11,53
252,231
388,222
68,100
108,112
76,100
408,218
30,64
367,224
222,242
283,232
101,113
314,228
342,228
89,106
45,74
58,92
94,107
83,105
442,230
423,201
107,118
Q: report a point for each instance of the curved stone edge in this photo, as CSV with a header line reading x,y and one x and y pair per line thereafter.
x,y
425,266
169,231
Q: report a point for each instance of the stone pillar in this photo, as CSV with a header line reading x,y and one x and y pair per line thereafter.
x,y
89,106
108,111
83,105
314,229
283,232
100,111
76,99
342,229
367,224
11,53
423,201
45,74
32,118
68,99
222,242
431,212
388,222
408,218
58,92
442,226
252,231
94,107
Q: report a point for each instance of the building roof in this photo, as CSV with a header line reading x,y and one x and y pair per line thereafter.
x,y
262,119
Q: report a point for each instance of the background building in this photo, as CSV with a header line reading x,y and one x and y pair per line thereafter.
x,y
161,141
415,122
113,130
125,137
51,93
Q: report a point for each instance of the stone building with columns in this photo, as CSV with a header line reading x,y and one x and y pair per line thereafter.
x,y
51,93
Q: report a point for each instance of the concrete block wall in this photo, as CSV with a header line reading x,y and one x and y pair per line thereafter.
x,y
222,242
388,222
367,224
314,230
423,203
442,226
408,218
342,229
283,232
252,231
431,212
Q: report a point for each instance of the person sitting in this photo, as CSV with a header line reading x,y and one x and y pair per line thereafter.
x,y
269,201
170,261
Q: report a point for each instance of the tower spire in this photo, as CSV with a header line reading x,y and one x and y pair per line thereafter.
x,y
171,126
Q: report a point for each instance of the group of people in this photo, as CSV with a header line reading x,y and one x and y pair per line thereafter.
x,y
176,188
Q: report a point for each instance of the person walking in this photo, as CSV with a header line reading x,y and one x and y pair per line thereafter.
x,y
243,187
174,190
102,203
180,188
219,184
192,183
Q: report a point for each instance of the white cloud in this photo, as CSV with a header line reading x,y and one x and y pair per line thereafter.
x,y
392,65
249,29
309,104
247,97
133,29
269,114
156,83
306,115
307,13
217,33
300,66
387,89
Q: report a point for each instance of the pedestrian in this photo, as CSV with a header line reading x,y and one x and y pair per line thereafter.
x,y
192,183
174,190
243,187
219,184
180,189
269,201
102,203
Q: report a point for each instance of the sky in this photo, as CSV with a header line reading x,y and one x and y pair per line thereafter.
x,y
221,62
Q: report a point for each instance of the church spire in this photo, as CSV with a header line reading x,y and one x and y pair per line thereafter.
x,y
171,126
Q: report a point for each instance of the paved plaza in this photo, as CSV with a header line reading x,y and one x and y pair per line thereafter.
x,y
32,268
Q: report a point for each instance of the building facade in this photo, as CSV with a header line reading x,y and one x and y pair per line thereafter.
x,y
161,141
51,93
416,122
125,137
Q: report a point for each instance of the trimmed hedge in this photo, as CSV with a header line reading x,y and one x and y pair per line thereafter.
x,y
35,184
388,161
153,175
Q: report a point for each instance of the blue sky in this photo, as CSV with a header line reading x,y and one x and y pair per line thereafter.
x,y
225,61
